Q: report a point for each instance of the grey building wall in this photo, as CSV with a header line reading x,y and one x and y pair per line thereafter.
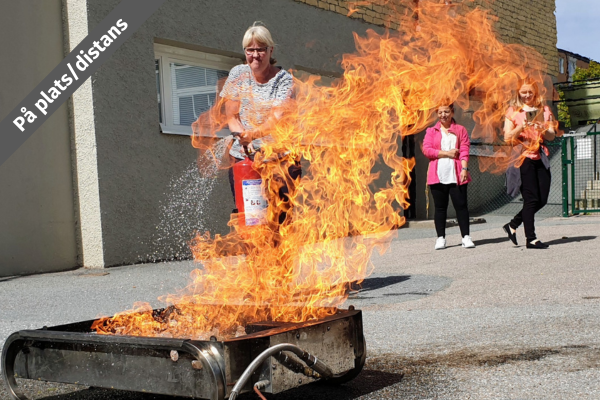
x,y
137,164
142,172
37,216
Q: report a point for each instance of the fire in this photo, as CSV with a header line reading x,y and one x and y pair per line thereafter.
x,y
391,84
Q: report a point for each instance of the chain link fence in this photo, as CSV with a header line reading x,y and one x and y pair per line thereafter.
x,y
581,161
487,192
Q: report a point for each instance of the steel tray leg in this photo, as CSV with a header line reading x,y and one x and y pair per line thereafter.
x,y
215,364
13,346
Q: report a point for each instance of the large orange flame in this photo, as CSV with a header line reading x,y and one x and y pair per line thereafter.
x,y
391,84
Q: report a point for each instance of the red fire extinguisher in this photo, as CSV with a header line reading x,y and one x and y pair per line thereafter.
x,y
249,198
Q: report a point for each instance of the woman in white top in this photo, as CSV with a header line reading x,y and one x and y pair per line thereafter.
x,y
447,144
256,92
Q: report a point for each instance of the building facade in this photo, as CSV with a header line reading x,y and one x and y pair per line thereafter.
x,y
568,62
112,179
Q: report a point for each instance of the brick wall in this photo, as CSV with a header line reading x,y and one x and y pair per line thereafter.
x,y
527,22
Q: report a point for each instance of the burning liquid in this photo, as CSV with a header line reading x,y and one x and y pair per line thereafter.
x,y
391,84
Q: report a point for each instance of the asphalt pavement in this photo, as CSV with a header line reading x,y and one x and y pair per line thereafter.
x,y
494,322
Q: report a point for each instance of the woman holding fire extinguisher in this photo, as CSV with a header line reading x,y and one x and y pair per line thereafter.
x,y
255,93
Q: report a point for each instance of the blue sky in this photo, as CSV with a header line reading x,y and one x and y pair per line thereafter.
x,y
578,25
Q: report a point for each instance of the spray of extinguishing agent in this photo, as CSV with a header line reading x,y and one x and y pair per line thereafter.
x,y
249,197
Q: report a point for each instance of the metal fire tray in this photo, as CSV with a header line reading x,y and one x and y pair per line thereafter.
x,y
273,356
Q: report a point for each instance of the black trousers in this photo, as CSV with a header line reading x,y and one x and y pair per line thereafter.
x,y
441,194
408,151
535,188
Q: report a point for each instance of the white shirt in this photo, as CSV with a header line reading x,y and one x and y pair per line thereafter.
x,y
446,168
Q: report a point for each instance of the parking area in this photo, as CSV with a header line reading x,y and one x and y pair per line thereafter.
x,y
494,322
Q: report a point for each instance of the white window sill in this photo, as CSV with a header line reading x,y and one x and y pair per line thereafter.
x,y
187,131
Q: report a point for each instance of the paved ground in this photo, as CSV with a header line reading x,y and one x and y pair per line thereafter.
x,y
494,322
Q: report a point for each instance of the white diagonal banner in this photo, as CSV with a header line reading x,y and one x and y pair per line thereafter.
x,y
72,71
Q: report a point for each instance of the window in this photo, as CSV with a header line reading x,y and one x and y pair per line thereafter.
x,y
187,85
571,67
561,65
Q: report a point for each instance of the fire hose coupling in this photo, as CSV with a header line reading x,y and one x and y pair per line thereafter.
x,y
317,365
295,365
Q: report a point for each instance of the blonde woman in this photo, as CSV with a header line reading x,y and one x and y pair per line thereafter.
x,y
255,93
528,123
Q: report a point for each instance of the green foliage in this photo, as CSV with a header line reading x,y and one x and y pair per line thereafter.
x,y
563,110
581,74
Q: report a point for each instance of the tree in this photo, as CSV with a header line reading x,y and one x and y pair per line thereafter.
x,y
591,72
563,109
580,75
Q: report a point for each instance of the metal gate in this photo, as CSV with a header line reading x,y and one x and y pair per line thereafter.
x,y
581,171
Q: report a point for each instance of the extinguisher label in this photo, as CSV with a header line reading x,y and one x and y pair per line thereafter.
x,y
255,204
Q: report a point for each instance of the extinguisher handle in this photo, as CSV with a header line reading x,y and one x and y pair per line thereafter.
x,y
246,150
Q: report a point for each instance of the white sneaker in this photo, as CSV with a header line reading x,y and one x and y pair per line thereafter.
x,y
467,243
440,243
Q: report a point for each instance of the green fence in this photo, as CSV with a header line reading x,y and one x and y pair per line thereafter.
x,y
581,171
487,192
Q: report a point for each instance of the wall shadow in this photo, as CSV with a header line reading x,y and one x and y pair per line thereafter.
x,y
483,242
573,239
378,283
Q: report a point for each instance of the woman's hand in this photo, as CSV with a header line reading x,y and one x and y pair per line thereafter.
x,y
454,153
464,175
521,128
246,138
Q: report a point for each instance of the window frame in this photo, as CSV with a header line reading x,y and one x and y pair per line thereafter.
x,y
571,67
165,55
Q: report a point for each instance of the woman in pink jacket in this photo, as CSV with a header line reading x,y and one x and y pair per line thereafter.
x,y
447,146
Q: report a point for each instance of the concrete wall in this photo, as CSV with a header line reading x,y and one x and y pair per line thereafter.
x,y
136,163
37,217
